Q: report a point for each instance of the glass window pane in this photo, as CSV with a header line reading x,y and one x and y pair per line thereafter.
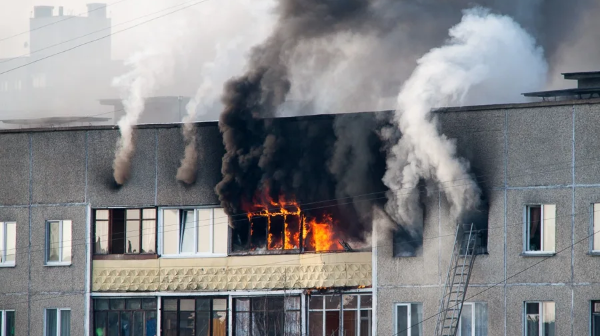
x,y
275,303
66,240
65,323
100,323
219,304
170,231
219,323
187,304
2,247
365,323
292,303
169,324
242,305
203,304
132,214
10,323
51,322
332,302
170,305
117,304
534,233
350,301
187,323
532,318
149,236
126,323
293,324
402,320
53,241
466,320
133,304
315,323
100,304
11,241
481,319
149,213
101,237
132,234
138,323
532,308
113,324
549,318
596,217
316,302
242,324
203,323
332,322
221,231
101,214
149,303
204,226
187,232
549,227
350,322
366,301
150,323
416,316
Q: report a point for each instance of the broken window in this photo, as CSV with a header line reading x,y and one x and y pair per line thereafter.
x,y
473,320
125,231
58,242
595,318
8,241
203,316
409,319
540,229
540,318
125,317
194,231
267,315
343,314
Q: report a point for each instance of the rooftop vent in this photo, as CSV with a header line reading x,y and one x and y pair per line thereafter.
x,y
42,11
588,86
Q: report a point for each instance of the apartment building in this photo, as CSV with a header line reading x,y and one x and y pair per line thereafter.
x,y
537,166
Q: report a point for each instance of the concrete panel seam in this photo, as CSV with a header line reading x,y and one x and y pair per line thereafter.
x,y
573,221
505,214
29,247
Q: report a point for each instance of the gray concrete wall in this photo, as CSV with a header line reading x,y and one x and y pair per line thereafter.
x,y
57,175
519,156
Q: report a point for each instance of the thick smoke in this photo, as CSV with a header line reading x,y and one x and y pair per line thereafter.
x,y
488,59
150,69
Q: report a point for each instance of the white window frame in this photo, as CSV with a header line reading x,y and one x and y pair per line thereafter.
x,y
541,313
359,308
162,227
4,245
473,317
526,230
58,320
408,305
3,320
60,243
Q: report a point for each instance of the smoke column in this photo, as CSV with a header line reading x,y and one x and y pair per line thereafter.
x,y
488,58
149,69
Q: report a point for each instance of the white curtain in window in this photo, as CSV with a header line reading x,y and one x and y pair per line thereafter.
x,y
481,319
549,227
66,240
170,231
466,320
148,236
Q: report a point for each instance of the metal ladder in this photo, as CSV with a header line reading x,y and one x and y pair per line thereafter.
x,y
457,281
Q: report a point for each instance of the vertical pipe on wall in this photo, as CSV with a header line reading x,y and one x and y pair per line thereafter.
x,y
374,250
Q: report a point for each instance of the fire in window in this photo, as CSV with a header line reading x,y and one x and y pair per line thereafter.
x,y
125,231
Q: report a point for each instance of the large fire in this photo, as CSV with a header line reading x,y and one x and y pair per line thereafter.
x,y
283,221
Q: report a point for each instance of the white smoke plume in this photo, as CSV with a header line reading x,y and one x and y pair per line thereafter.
x,y
150,69
488,59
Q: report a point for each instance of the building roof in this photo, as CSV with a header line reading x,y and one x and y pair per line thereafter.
x,y
582,75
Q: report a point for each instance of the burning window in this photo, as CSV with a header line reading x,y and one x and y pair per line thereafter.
x,y
349,313
125,231
267,315
284,226
540,230
194,231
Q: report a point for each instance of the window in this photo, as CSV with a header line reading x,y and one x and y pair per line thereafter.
x,y
595,241
125,231
125,317
539,318
540,228
194,231
58,322
473,320
204,316
595,318
58,242
267,315
8,241
409,318
349,313
7,323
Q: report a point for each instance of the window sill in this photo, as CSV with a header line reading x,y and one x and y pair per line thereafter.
x,y
537,254
8,265
191,256
58,264
124,256
594,253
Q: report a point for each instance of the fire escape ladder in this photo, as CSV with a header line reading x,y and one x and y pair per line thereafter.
x,y
457,281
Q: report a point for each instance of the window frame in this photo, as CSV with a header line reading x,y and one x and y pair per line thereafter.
x,y
195,254
155,310
593,249
58,320
4,245
138,255
541,316
527,228
61,244
228,310
359,308
592,313
3,321
408,305
474,306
